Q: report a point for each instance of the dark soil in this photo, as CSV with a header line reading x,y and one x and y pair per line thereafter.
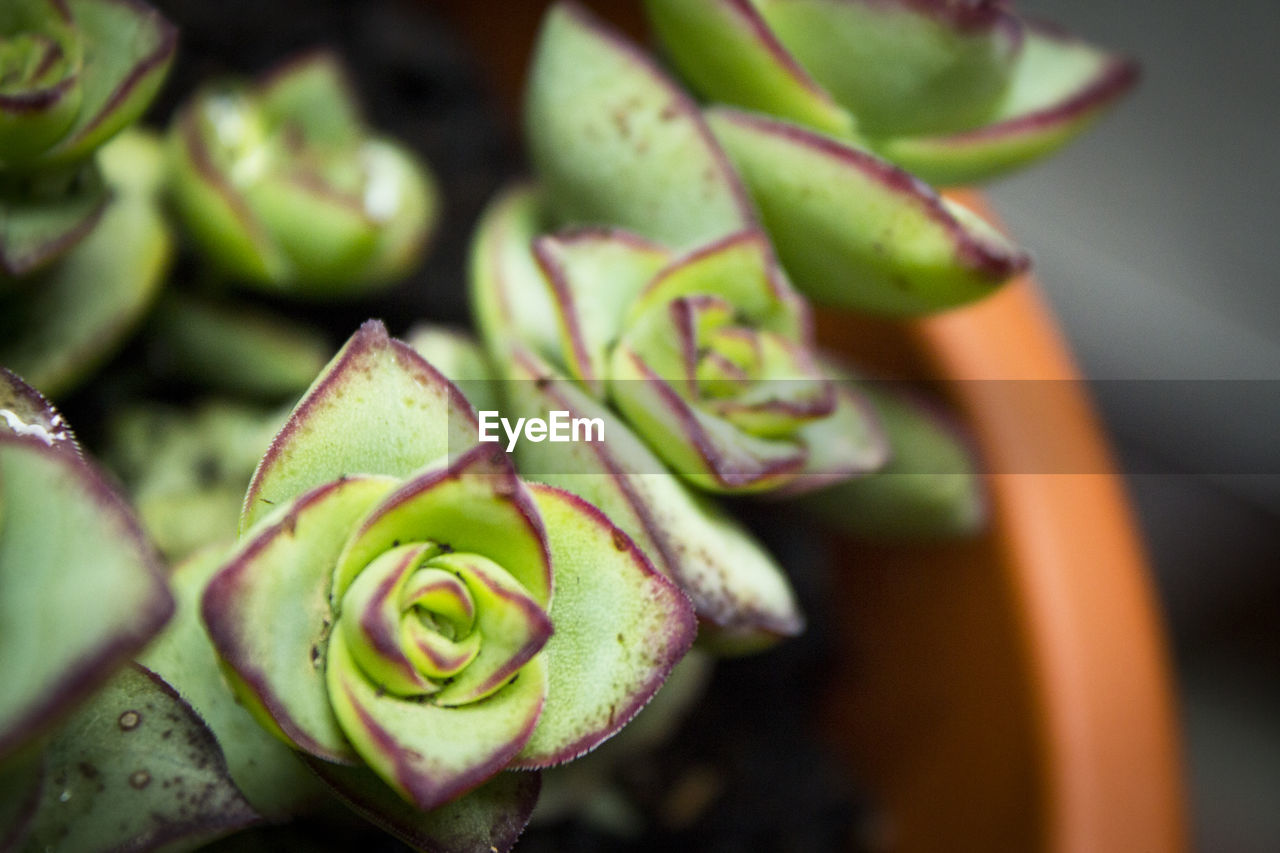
x,y
747,772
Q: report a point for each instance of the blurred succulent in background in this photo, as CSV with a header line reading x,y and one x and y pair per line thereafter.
x,y
283,187
73,73
59,324
953,92
187,471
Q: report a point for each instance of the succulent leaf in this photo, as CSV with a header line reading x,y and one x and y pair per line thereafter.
x,y
930,488
605,589
615,142
490,817
377,408
727,53
136,769
429,753
280,576
911,252
66,319
902,67
1060,86
83,589
270,776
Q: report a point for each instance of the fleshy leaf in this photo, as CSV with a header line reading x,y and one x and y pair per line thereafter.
x,y
855,231
236,348
727,53
186,470
852,442
39,225
427,753
268,612
620,628
697,445
595,276
128,48
476,505
136,769
617,143
460,359
378,408
269,774
74,314
511,304
902,67
931,487
731,580
313,94
740,269
25,413
83,589
490,818
1060,86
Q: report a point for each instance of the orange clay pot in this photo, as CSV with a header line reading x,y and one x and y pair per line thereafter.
x,y
1011,692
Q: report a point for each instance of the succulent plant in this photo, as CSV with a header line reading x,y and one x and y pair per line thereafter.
x,y
707,355
73,73
283,186
83,589
59,324
402,602
616,142
953,92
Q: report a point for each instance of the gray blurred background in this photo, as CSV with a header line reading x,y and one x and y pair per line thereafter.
x,y
1155,238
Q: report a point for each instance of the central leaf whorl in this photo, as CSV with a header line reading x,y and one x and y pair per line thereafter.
x,y
451,628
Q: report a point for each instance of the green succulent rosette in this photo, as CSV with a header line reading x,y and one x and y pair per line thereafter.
x,y
707,355
697,364
83,590
284,187
73,73
953,92
412,617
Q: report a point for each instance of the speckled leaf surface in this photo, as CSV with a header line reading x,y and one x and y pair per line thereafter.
x,y
727,53
594,277
135,769
269,774
488,819
378,408
280,576
902,66
855,231
83,589
618,143
620,628
1060,86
